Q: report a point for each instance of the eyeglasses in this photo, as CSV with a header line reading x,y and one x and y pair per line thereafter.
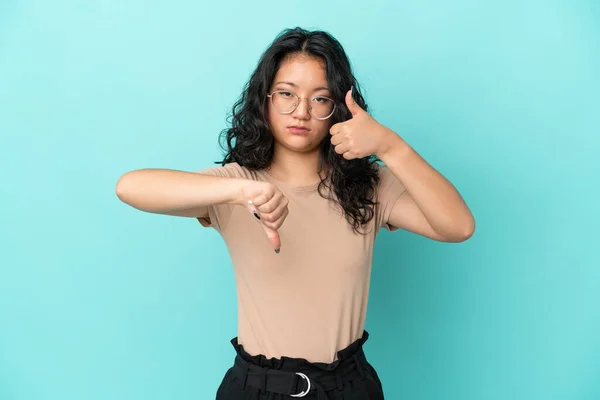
x,y
284,102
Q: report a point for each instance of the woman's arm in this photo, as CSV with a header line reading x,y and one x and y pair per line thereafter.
x,y
431,205
180,193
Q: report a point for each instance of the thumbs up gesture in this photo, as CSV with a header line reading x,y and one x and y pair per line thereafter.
x,y
361,135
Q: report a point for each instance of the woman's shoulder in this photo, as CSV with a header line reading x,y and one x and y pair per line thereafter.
x,y
384,175
388,183
383,171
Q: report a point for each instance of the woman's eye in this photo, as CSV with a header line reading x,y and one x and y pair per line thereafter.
x,y
286,94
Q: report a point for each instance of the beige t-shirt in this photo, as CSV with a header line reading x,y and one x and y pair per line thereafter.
x,y
310,300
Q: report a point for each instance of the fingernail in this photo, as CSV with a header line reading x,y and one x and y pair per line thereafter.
x,y
256,215
352,89
277,251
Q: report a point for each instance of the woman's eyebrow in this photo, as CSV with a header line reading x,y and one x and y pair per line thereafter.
x,y
294,85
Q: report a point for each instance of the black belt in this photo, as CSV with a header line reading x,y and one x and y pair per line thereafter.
x,y
299,384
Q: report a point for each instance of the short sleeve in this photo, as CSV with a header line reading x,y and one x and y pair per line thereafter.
x,y
388,192
219,214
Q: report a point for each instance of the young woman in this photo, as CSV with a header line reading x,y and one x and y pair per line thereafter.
x,y
299,199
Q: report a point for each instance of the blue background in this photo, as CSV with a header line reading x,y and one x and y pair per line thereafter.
x,y
100,301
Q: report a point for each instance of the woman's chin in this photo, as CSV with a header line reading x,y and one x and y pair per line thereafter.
x,y
300,145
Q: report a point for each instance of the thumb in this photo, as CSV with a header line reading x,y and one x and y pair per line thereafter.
x,y
272,234
352,106
274,238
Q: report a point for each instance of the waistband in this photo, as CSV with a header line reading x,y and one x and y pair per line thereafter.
x,y
297,377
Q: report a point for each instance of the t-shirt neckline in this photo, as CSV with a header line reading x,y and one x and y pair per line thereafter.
x,y
291,186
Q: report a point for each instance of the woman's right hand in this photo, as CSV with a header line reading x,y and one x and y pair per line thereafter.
x,y
269,206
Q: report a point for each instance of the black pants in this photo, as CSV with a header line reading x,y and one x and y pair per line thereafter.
x,y
350,377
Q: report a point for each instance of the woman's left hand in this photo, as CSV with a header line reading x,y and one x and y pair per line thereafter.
x,y
361,135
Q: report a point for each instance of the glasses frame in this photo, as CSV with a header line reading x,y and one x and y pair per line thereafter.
x,y
270,95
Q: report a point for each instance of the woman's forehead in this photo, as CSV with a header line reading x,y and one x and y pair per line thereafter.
x,y
302,72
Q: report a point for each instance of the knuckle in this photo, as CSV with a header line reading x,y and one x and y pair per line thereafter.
x,y
268,208
270,218
265,218
271,225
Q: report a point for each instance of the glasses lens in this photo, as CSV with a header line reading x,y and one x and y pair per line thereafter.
x,y
321,107
284,102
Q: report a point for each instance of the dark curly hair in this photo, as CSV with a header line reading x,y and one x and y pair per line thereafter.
x,y
249,141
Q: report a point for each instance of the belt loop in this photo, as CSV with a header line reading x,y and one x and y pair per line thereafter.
x,y
263,380
245,376
359,367
338,380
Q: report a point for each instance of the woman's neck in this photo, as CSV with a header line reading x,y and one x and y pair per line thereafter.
x,y
299,169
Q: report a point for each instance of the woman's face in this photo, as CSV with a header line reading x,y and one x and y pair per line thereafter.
x,y
305,77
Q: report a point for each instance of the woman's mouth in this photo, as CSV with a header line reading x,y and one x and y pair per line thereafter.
x,y
298,130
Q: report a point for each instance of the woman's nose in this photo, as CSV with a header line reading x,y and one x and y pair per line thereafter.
x,y
302,110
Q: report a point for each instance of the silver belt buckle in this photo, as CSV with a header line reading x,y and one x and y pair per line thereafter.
x,y
304,393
